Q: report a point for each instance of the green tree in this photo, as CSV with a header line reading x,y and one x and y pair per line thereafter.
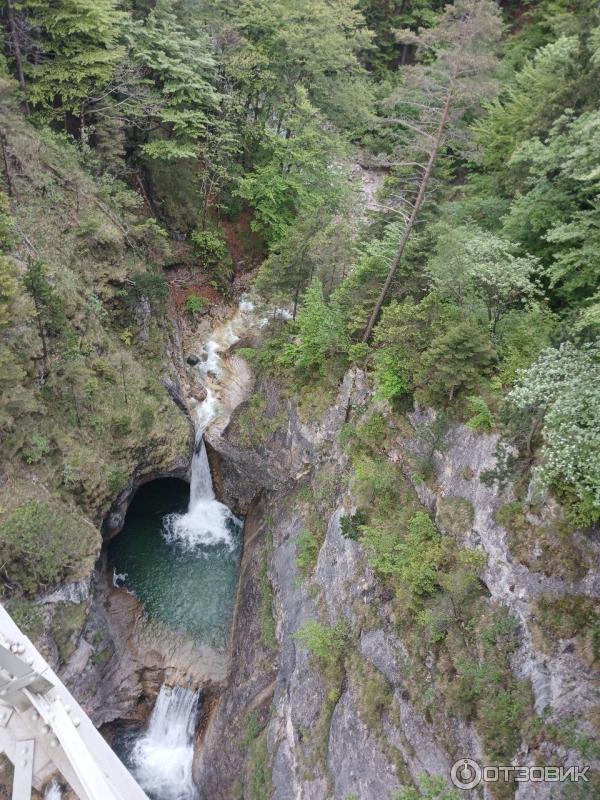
x,y
289,50
77,49
49,314
430,349
322,331
562,388
431,105
472,263
386,19
541,89
558,214
455,361
177,65
295,175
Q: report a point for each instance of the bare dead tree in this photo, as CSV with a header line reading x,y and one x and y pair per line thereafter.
x,y
432,103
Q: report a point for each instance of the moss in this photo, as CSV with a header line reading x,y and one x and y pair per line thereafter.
x,y
42,542
374,692
266,619
570,617
27,616
258,773
328,647
253,426
550,548
455,514
66,626
100,658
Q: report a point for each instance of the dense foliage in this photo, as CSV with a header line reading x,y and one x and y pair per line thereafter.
x,y
420,184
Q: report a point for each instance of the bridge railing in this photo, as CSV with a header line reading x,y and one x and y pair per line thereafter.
x,y
44,729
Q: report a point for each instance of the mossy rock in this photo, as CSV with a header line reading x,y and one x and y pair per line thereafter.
x,y
455,514
570,617
27,615
551,548
66,626
44,542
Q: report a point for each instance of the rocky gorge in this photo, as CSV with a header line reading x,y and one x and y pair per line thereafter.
x,y
273,722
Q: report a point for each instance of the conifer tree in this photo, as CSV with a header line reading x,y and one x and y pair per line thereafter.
x,y
432,103
77,52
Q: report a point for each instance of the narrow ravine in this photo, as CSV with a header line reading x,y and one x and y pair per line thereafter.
x,y
179,554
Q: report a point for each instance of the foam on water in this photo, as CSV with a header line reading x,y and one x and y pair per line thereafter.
x,y
162,757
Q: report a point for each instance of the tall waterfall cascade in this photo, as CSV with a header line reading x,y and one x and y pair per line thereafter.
x,y
162,757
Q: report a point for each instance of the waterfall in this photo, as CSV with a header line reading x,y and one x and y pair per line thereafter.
x,y
162,757
53,792
201,485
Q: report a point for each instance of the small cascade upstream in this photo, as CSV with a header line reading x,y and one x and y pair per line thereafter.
x,y
162,757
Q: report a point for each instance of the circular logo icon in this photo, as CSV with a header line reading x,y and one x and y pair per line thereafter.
x,y
466,773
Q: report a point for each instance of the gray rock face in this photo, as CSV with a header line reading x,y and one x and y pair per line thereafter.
x,y
559,680
370,763
356,760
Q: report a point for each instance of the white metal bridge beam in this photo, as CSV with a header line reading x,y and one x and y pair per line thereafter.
x,y
43,728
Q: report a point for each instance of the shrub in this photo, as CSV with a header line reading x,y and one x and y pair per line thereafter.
x,y
153,286
259,771
37,449
209,246
481,419
414,559
455,514
195,304
41,542
117,479
146,419
307,552
434,788
120,426
351,527
327,645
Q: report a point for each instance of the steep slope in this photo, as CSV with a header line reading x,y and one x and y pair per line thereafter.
x,y
375,689
85,413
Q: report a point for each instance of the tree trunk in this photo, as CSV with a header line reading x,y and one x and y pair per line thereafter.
x,y
16,48
9,181
416,208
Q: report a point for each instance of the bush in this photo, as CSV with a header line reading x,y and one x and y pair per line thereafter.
x,y
41,542
117,479
195,304
120,426
146,419
327,645
351,527
307,552
209,246
153,286
481,419
37,449
414,559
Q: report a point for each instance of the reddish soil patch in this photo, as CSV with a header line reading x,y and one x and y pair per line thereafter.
x,y
246,247
187,280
